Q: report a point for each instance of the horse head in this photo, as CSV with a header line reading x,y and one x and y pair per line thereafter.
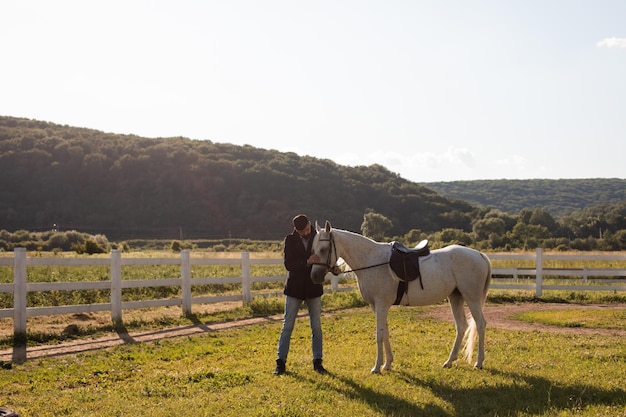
x,y
324,248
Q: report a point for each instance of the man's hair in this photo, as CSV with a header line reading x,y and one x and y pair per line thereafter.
x,y
300,221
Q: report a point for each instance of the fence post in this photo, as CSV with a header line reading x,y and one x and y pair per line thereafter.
x,y
334,282
539,272
185,275
19,292
245,277
116,286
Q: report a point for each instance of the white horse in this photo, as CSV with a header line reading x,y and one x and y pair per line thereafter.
x,y
456,272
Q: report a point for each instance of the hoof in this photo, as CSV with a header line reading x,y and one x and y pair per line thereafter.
x,y
447,365
375,371
478,366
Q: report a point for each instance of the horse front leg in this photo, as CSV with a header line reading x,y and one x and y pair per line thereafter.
x,y
382,340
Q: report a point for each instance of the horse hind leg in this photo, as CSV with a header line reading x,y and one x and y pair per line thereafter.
x,y
456,305
478,325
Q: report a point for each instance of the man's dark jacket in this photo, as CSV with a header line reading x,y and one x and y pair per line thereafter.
x,y
299,283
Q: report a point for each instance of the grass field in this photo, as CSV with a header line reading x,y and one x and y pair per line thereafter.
x,y
228,373
607,319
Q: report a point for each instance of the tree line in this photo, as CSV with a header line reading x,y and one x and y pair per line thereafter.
x,y
601,227
127,187
560,197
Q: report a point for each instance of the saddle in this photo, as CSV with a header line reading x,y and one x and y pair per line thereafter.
x,y
405,264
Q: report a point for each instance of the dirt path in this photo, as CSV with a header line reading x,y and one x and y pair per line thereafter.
x,y
502,316
84,345
499,316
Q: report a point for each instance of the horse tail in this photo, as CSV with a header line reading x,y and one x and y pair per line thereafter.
x,y
471,332
470,339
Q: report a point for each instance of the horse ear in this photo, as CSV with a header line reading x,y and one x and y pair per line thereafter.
x,y
327,226
317,226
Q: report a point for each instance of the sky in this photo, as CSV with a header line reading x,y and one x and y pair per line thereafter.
x,y
438,90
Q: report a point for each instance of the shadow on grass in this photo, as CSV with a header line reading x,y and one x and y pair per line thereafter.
x,y
380,402
523,393
530,395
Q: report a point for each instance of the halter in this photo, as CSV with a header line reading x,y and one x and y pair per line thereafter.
x,y
333,248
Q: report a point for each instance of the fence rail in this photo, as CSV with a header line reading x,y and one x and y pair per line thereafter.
x,y
514,278
535,276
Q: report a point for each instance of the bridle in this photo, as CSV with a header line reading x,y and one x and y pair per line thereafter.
x,y
333,248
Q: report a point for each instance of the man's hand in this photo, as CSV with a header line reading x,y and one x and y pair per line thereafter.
x,y
313,259
335,270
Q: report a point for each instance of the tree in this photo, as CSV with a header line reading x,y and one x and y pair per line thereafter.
x,y
452,237
484,228
375,225
413,237
543,218
528,236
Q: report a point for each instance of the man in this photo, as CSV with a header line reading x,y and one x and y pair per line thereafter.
x,y
300,288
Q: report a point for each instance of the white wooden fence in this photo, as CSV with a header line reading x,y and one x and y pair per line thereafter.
x,y
589,279
20,286
513,278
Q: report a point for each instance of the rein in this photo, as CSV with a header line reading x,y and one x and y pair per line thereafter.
x,y
334,249
366,267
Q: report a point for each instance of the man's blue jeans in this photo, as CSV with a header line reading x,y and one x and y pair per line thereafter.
x,y
292,306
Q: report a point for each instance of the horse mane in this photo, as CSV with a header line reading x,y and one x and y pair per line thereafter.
x,y
348,232
368,245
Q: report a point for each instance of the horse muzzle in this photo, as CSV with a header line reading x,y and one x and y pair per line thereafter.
x,y
318,273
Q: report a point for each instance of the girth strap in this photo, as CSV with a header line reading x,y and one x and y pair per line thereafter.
x,y
403,288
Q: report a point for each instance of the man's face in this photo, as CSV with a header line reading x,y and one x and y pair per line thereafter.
x,y
306,232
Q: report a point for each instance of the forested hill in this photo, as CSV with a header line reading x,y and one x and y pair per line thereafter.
x,y
558,197
126,187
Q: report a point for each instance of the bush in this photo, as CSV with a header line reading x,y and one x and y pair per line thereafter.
x,y
59,240
176,246
91,247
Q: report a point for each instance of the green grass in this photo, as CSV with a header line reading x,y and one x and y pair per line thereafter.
x,y
602,319
228,373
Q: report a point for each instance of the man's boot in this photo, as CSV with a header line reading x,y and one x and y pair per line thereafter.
x,y
317,366
280,367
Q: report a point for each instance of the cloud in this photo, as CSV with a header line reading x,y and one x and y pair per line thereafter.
x,y
612,43
452,157
461,156
457,157
423,166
